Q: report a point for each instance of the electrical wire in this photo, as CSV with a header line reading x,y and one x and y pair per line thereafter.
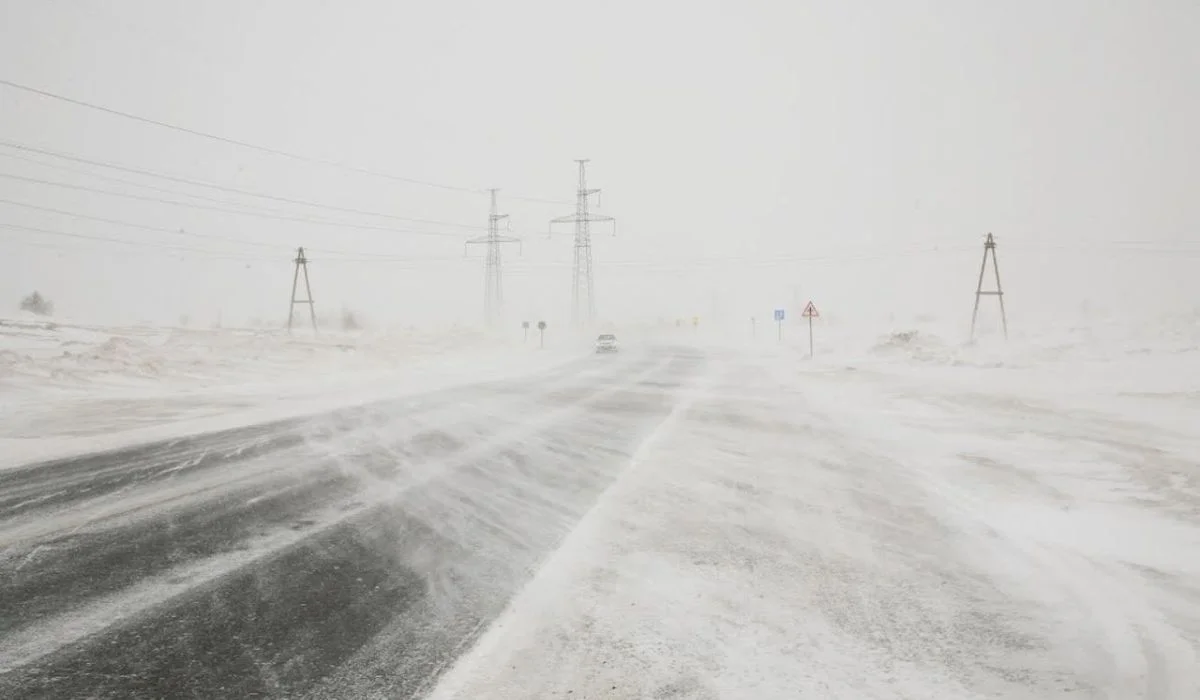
x,y
285,252
140,185
159,229
236,142
278,213
121,241
409,262
278,217
1151,247
251,146
129,224
223,188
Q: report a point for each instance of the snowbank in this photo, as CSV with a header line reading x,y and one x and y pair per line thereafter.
x,y
35,354
69,388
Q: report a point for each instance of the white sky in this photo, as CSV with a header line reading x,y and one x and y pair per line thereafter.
x,y
754,153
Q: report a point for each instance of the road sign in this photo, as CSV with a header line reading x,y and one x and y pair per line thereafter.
x,y
541,334
541,325
525,324
779,314
810,312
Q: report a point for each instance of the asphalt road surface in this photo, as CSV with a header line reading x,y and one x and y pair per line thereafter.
x,y
354,554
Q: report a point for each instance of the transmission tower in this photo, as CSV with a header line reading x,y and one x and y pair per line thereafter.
x,y
493,300
583,282
301,263
989,248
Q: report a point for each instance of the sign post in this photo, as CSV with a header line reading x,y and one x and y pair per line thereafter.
x,y
525,327
753,327
541,334
810,312
779,314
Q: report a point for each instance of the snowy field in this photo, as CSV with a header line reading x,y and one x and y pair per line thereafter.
x,y
68,388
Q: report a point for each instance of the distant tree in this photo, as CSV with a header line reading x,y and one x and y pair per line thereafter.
x,y
37,304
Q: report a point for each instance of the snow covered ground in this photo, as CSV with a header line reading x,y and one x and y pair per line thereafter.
x,y
68,388
903,517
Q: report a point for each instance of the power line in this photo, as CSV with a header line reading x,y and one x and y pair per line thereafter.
x,y
159,229
390,259
235,142
703,263
107,239
215,254
1117,247
226,202
86,251
139,185
223,188
190,205
211,254
248,145
129,224
696,264
539,200
347,255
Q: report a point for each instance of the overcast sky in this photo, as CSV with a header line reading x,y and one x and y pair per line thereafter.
x,y
756,154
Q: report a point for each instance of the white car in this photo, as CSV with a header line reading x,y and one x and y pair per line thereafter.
x,y
606,343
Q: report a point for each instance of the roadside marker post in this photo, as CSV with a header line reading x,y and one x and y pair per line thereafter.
x,y
810,312
541,334
779,315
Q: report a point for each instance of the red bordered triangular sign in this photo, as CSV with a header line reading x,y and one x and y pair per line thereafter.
x,y
810,311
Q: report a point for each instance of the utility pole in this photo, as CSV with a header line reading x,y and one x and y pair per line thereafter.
x,y
493,300
989,248
301,263
583,282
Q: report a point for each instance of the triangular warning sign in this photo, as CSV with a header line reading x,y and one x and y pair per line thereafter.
x,y
810,311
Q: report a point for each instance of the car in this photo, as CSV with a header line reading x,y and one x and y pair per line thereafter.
x,y
607,342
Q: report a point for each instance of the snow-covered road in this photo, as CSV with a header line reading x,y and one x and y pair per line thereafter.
x,y
671,522
348,554
846,533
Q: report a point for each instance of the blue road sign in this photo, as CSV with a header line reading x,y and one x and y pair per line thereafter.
x,y
778,314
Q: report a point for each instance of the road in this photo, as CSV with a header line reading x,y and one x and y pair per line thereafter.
x,y
353,554
667,522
